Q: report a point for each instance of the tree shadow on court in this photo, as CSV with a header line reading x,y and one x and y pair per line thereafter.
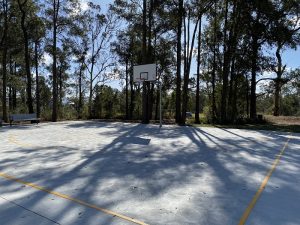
x,y
194,169
260,157
24,127
279,201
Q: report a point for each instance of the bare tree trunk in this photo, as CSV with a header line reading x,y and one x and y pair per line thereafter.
x,y
276,98
157,105
186,40
178,71
253,79
14,98
214,108
91,82
10,88
226,66
3,47
14,95
54,54
151,100
126,91
4,84
26,56
80,101
189,55
9,98
232,92
60,88
91,97
145,109
38,104
197,111
150,60
278,81
150,20
131,92
247,97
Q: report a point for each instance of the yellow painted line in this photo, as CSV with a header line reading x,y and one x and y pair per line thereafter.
x,y
262,186
12,139
80,202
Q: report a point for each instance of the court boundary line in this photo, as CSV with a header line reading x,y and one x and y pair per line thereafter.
x,y
78,201
13,140
264,183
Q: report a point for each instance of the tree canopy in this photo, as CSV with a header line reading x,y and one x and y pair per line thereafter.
x,y
221,59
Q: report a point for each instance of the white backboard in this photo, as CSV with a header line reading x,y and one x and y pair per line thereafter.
x,y
145,72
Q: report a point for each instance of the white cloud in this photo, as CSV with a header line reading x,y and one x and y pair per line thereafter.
x,y
47,59
84,5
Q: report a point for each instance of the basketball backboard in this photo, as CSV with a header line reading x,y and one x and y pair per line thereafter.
x,y
145,72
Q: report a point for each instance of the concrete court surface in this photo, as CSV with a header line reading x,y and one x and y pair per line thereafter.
x,y
173,175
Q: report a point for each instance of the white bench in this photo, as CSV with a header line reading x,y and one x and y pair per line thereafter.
x,y
23,117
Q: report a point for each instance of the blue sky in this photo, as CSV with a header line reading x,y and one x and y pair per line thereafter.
x,y
292,58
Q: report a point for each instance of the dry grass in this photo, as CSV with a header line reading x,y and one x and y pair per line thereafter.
x,y
281,123
283,120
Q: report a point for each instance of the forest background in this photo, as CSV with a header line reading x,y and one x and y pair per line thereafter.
x,y
225,61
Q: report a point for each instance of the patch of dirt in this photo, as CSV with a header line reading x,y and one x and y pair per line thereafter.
x,y
283,120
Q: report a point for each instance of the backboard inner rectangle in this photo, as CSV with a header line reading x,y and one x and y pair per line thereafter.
x,y
144,75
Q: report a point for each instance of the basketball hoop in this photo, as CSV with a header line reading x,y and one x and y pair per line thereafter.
x,y
147,73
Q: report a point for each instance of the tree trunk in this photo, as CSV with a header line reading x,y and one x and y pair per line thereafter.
x,y
247,97
126,91
60,87
91,97
178,70
91,83
226,66
234,101
38,104
150,19
278,81
145,105
189,55
253,78
26,56
4,83
157,105
10,88
214,108
14,97
3,47
131,91
54,54
151,100
232,92
9,98
276,98
150,60
186,40
197,110
80,101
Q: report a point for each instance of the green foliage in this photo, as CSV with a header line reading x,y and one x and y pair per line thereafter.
x,y
92,49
